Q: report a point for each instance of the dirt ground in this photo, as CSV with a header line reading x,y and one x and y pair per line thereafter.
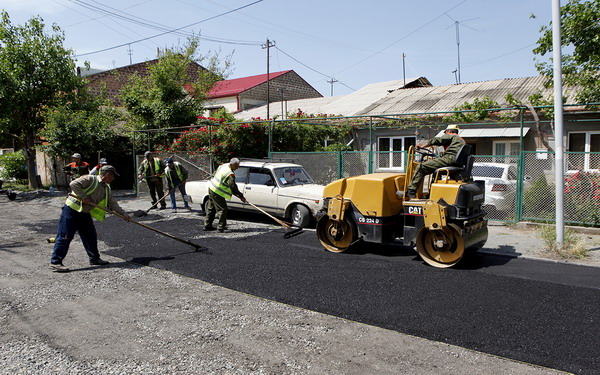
x,y
130,319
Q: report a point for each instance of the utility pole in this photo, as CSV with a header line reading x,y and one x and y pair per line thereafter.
x,y
266,46
332,81
404,69
458,48
129,52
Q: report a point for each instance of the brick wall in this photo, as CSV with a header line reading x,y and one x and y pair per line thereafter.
x,y
113,80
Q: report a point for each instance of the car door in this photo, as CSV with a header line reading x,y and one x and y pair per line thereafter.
x,y
261,189
241,176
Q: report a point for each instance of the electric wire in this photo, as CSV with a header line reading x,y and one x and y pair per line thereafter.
x,y
170,31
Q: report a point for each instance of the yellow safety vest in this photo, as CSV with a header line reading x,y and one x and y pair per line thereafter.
x,y
177,170
145,165
95,212
218,181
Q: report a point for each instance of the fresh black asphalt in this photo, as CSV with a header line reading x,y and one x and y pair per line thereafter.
x,y
538,312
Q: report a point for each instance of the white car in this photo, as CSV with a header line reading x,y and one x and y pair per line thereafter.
x,y
500,184
281,189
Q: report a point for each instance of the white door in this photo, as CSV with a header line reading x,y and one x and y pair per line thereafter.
x,y
261,189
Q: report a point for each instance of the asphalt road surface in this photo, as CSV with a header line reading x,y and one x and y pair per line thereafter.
x,y
538,312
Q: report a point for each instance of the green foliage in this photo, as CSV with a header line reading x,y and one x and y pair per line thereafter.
x,y
539,199
173,94
582,198
572,246
14,166
36,72
580,27
81,124
477,110
223,140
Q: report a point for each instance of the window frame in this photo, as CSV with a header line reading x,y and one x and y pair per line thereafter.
x,y
586,149
390,154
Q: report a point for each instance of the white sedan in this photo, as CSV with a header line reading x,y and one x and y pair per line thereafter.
x,y
500,184
281,189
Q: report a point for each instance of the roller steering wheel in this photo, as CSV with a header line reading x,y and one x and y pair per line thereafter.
x,y
426,152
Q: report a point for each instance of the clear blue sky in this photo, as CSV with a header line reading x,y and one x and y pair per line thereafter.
x,y
356,43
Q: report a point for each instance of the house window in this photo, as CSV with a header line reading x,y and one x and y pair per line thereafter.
x,y
584,142
507,151
390,151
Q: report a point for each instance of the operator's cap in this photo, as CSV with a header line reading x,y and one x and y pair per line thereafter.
x,y
452,127
147,153
76,155
103,161
109,168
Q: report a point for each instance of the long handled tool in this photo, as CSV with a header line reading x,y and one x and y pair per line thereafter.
x,y
196,246
140,213
290,231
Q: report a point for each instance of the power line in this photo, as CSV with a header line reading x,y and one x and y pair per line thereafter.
x,y
314,70
170,31
404,37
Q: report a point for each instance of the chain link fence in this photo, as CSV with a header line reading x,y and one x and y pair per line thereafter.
x,y
518,187
199,167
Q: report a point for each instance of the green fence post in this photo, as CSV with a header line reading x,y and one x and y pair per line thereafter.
x,y
340,161
135,167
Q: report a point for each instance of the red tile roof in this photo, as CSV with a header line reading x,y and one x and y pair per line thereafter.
x,y
231,87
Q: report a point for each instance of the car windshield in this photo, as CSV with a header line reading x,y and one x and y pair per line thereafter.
x,y
289,176
487,171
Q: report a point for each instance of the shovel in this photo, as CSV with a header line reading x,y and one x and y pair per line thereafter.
x,y
290,230
140,213
126,218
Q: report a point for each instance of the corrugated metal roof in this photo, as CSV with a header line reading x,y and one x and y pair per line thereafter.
x,y
446,98
490,132
346,105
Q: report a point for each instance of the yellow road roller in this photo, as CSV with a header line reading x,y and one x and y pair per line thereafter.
x,y
445,220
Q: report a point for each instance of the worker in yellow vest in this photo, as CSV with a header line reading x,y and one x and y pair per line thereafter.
x,y
176,174
152,169
77,216
222,187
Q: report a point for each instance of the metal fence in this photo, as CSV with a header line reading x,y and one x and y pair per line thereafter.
x,y
524,189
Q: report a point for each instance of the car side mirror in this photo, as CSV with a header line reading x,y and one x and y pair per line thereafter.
x,y
270,183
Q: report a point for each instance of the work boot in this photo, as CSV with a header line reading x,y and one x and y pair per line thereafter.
x,y
410,193
209,228
174,210
98,262
59,268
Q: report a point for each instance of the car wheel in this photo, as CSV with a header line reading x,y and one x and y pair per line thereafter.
x,y
300,216
204,204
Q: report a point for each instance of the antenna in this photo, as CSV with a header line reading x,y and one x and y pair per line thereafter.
x,y
456,25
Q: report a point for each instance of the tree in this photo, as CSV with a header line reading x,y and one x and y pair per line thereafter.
x,y
580,28
173,94
36,72
85,122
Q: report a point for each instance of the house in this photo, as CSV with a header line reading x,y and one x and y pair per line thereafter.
x,y
247,92
113,80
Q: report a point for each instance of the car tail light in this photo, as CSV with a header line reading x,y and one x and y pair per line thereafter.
x,y
499,187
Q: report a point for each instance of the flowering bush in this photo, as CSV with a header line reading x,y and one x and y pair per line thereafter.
x,y
582,197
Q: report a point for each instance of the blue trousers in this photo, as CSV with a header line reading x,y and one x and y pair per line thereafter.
x,y
181,188
71,222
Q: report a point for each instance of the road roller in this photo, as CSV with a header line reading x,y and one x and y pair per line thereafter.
x,y
445,221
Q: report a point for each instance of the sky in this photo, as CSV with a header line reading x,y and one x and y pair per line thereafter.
x,y
350,43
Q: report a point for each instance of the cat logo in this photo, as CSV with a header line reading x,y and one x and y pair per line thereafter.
x,y
415,210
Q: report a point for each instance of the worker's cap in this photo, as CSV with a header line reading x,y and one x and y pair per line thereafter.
x,y
109,168
169,160
76,155
452,127
147,153
103,161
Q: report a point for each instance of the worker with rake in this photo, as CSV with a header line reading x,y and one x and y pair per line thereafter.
x,y
77,214
222,187
152,170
